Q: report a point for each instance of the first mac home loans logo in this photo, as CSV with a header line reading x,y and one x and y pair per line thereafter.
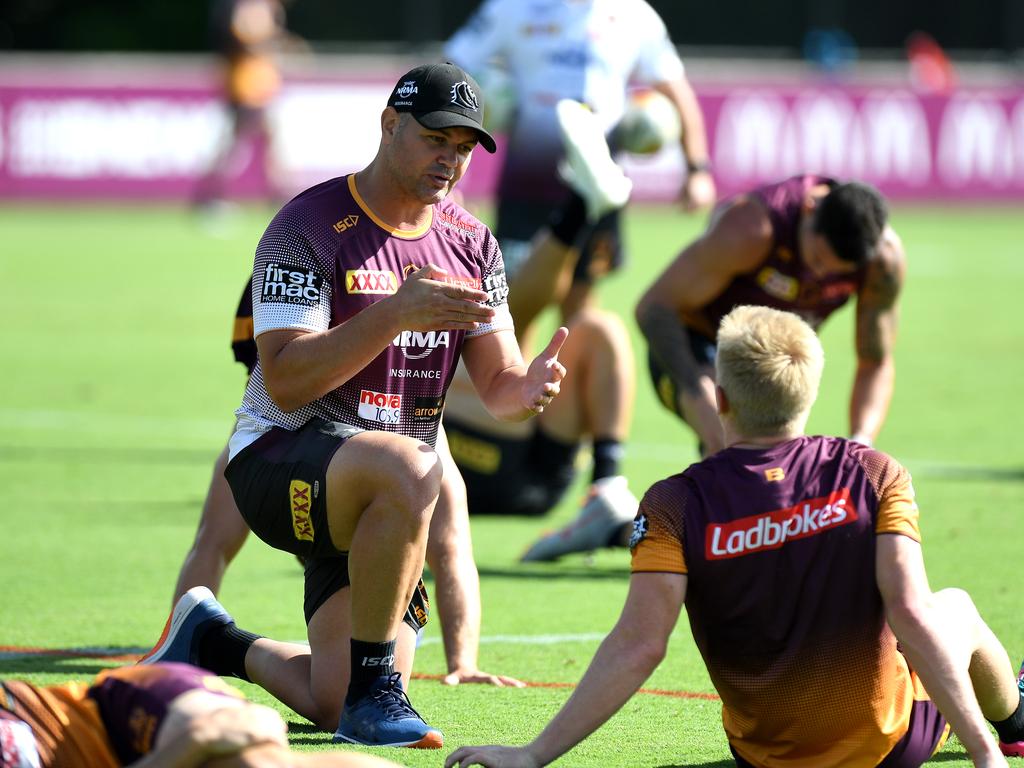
x,y
289,284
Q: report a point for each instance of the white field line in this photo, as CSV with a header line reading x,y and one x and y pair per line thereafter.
x,y
672,456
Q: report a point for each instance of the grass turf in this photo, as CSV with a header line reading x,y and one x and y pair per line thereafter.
x,y
117,394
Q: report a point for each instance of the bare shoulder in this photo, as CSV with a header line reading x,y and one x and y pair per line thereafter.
x,y
741,233
886,271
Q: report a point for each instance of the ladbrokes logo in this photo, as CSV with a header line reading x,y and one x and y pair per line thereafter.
x,y
299,495
771,530
380,407
370,281
288,284
416,345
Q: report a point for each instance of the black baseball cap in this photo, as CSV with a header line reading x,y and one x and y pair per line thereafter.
x,y
442,96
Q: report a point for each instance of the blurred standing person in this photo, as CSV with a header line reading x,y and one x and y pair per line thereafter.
x,y
248,36
587,51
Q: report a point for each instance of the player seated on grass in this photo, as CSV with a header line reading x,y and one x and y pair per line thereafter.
x,y
800,565
806,245
162,716
367,289
526,468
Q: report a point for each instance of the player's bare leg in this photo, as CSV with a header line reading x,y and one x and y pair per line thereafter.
x,y
220,536
596,401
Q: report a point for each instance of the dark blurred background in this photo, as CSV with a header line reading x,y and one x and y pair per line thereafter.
x,y
974,29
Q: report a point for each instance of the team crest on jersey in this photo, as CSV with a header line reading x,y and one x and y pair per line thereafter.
x,y
370,281
639,531
291,284
778,285
301,502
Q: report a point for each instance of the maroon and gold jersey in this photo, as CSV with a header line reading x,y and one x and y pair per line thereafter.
x,y
779,547
782,281
326,257
111,723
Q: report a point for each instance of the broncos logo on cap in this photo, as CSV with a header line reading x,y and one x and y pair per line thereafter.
x,y
463,96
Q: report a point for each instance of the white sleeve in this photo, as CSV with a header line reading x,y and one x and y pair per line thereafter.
x,y
291,287
496,287
658,61
481,39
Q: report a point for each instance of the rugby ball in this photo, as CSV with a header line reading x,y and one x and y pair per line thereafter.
x,y
649,123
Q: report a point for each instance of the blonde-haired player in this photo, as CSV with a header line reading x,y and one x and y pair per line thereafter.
x,y
799,562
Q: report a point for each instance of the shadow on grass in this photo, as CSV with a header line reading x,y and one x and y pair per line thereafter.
x,y
304,732
79,668
946,756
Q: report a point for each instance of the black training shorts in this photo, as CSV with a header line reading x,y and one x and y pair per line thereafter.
x,y
510,476
703,350
279,483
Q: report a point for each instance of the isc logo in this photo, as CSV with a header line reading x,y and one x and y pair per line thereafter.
x,y
349,221
380,407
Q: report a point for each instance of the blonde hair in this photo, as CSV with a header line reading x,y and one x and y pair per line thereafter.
x,y
769,365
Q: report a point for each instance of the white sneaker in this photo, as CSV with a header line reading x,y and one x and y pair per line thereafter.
x,y
609,506
588,166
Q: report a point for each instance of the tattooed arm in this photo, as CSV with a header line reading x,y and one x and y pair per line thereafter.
x,y
877,316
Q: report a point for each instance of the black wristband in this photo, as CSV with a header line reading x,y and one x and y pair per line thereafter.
x,y
702,166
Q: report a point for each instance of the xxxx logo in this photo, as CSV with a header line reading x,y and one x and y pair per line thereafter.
x,y
370,281
300,498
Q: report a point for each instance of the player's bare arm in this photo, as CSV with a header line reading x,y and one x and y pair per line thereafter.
x,y
626,658
301,366
698,190
877,320
927,640
735,242
511,390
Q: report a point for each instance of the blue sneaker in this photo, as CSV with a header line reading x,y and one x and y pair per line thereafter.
x,y
385,718
196,611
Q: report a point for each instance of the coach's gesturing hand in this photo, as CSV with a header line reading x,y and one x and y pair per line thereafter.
x,y
429,300
544,376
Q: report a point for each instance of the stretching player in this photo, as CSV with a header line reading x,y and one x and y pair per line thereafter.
x,y
800,565
161,716
806,245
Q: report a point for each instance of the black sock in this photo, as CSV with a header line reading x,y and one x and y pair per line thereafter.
x,y
1012,728
223,648
607,455
567,221
369,661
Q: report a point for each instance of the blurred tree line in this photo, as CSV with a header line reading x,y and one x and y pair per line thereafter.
x,y
778,26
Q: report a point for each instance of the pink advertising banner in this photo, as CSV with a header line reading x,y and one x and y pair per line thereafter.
x,y
98,140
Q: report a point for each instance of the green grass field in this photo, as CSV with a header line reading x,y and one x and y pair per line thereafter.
x,y
118,389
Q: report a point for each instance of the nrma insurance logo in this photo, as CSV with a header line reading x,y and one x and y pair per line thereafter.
x,y
416,345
